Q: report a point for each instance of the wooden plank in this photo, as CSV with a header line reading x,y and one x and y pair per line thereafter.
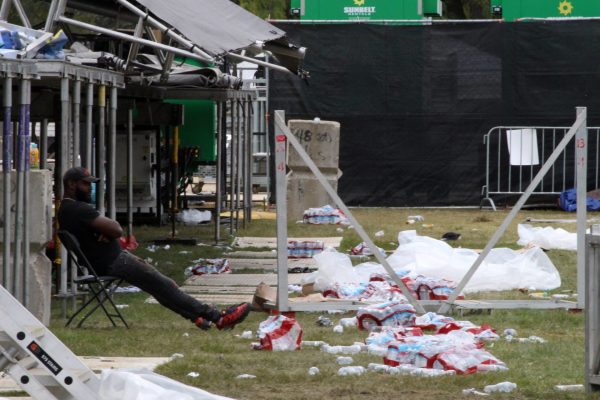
x,y
270,264
271,242
223,299
240,279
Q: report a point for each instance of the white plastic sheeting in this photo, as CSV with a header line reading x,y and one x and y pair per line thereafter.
x,y
503,268
139,384
547,237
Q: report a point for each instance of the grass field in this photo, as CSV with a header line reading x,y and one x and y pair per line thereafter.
x,y
221,356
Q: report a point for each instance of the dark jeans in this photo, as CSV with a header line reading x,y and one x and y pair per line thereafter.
x,y
139,273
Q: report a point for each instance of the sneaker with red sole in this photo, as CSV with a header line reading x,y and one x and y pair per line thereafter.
x,y
202,323
233,316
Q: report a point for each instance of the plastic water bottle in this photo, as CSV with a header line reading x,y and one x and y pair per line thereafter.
x,y
313,371
569,388
344,360
502,387
352,370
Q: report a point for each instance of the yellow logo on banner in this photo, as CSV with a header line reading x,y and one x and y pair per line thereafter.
x,y
359,2
564,7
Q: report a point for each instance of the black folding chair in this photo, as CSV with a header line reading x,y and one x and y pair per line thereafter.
x,y
101,287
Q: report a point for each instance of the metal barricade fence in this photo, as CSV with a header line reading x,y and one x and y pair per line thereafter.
x,y
514,154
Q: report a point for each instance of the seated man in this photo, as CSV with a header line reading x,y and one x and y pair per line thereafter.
x,y
98,238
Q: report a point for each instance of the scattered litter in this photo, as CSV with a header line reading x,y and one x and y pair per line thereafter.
x,y
246,335
334,312
362,249
193,216
352,370
344,360
340,230
502,387
379,234
121,306
569,388
185,334
279,333
312,343
386,314
152,248
417,218
473,391
211,266
167,247
245,376
127,289
547,237
148,260
193,374
450,236
176,355
349,322
338,329
532,339
294,289
510,332
184,252
313,371
324,215
350,350
324,321
304,248
427,226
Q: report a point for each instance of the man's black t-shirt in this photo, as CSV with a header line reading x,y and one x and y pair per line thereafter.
x,y
76,217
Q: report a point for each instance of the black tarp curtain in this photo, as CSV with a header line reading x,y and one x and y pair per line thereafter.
x,y
415,101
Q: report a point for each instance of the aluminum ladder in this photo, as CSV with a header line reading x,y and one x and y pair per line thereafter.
x,y
38,361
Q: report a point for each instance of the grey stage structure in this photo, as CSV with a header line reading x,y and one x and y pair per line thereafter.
x,y
89,104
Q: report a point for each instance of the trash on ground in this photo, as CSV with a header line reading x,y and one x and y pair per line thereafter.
x,y
350,350
314,371
193,216
121,306
246,335
324,215
305,248
502,387
245,376
212,266
263,294
568,201
193,374
547,238
324,321
379,234
349,322
385,314
351,370
344,360
475,392
510,332
132,384
294,289
279,333
176,355
338,329
312,343
362,249
451,236
569,388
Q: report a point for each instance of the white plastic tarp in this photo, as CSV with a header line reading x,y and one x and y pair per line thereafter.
x,y
547,237
141,384
503,268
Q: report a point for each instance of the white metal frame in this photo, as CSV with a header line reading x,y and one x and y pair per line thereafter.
x,y
283,136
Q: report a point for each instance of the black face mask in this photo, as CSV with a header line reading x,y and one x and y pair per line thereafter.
x,y
81,195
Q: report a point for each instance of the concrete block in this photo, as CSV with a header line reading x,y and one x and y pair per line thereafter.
x,y
321,140
39,284
39,205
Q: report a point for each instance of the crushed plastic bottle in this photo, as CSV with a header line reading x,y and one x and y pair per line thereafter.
x,y
349,322
473,391
338,329
246,335
569,388
378,367
510,332
502,387
350,350
352,370
344,360
324,321
312,343
379,233
313,371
